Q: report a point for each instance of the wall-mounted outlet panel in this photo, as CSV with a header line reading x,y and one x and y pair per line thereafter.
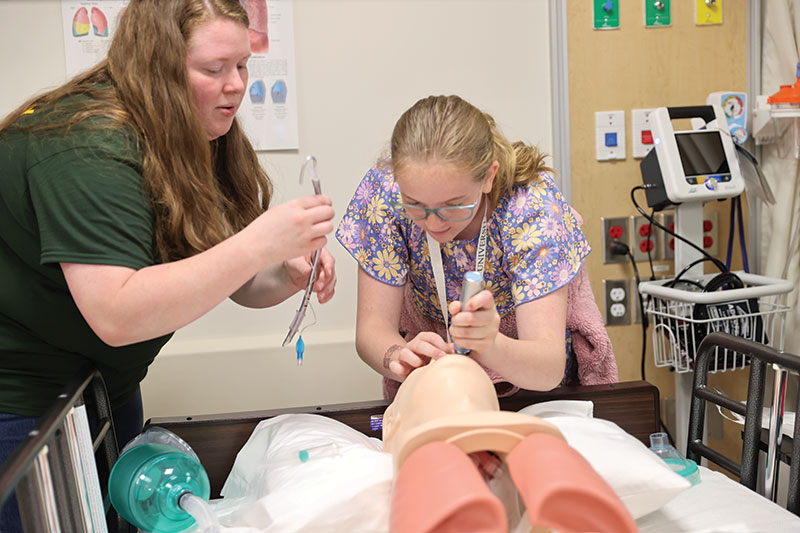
x,y
617,303
710,233
667,241
636,312
615,229
644,239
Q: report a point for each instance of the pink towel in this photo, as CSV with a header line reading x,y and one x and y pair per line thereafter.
x,y
596,362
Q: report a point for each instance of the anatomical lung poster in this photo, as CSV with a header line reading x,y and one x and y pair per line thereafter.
x,y
268,112
88,27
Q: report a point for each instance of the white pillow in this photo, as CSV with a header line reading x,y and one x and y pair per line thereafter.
x,y
344,485
639,477
582,408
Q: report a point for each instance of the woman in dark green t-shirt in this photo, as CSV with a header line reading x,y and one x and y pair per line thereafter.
x,y
132,204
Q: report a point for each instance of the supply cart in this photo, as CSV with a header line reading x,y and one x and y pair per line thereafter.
x,y
683,314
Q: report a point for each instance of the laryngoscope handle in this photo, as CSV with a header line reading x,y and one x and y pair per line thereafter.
x,y
473,284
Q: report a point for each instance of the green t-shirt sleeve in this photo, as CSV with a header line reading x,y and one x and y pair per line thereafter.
x,y
91,208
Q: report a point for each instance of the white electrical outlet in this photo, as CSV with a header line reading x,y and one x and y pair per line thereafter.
x,y
617,302
616,294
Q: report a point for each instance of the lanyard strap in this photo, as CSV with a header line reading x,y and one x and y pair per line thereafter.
x,y
438,279
438,270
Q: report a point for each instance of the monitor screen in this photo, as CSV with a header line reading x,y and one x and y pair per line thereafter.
x,y
702,153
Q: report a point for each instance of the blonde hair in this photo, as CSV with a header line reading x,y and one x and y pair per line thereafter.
x,y
448,129
201,192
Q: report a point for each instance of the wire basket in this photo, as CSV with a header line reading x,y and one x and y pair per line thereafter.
x,y
683,315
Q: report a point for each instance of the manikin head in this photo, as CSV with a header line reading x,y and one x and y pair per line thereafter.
x,y
448,409
452,399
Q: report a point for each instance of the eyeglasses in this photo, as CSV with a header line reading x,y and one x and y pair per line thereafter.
x,y
454,213
309,168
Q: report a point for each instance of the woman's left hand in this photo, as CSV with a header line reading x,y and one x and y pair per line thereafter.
x,y
299,268
475,327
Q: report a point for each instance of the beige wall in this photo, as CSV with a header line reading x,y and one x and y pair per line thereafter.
x,y
360,64
635,68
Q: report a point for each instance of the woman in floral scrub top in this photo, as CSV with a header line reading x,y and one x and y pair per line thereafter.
x,y
449,167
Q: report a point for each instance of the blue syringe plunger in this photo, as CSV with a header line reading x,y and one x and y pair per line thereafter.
x,y
300,347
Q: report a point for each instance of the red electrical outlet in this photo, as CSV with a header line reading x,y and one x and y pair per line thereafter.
x,y
644,239
710,233
615,229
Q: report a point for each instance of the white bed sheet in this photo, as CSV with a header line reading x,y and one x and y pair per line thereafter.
x,y
717,504
721,505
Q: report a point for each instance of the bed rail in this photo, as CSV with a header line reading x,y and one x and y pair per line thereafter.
x,y
42,469
746,469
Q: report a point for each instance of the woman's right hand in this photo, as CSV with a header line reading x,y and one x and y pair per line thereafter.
x,y
419,351
291,229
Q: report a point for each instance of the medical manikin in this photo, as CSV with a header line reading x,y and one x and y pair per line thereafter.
x,y
446,415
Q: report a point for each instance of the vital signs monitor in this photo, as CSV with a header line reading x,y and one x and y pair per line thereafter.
x,y
694,165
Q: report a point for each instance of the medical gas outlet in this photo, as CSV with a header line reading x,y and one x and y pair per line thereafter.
x,y
610,135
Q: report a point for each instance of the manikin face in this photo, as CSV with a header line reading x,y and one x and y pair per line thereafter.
x,y
435,185
217,64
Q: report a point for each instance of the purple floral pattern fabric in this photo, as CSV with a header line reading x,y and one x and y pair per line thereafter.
x,y
534,244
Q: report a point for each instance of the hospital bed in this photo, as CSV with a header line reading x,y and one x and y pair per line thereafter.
x,y
717,503
634,406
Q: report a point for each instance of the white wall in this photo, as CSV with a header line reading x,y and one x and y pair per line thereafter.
x,y
360,64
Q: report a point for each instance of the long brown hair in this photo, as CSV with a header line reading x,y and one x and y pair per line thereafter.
x,y
448,129
201,191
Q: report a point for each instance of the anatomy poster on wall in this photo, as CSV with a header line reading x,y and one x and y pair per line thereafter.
x,y
88,27
268,112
